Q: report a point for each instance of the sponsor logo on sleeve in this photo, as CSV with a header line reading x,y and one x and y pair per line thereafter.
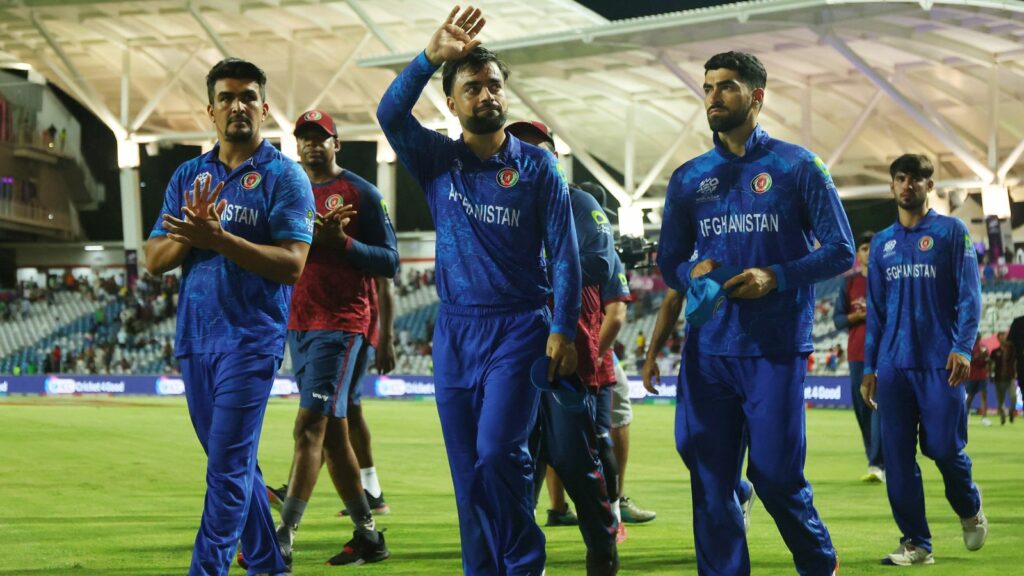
x,y
969,250
599,217
251,180
384,209
761,183
507,177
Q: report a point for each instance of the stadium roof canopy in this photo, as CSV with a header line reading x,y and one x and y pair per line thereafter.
x,y
857,82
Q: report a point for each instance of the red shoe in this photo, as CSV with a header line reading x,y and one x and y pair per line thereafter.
x,y
620,534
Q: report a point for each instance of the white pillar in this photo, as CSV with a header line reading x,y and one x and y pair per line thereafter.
x,y
131,203
386,176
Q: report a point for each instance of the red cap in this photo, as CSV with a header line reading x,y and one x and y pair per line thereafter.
x,y
520,129
317,117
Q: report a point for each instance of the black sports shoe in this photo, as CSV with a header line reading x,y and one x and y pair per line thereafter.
x,y
377,505
602,565
359,550
566,518
276,496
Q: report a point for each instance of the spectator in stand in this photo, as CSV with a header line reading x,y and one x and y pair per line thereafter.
x,y
977,380
1003,370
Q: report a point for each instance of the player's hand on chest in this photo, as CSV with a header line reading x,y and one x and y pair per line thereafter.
x,y
246,212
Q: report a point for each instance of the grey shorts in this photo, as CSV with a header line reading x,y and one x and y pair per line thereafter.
x,y
622,409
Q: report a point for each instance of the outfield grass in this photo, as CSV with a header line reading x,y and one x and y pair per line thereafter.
x,y
115,487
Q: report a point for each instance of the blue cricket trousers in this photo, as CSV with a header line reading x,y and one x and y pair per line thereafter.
x,y
487,406
921,402
718,397
227,398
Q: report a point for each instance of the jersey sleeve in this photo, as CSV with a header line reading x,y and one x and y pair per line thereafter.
x,y
676,242
877,311
617,287
560,239
593,233
172,201
292,211
412,142
840,310
377,252
968,290
828,220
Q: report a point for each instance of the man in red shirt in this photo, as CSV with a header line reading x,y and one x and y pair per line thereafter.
x,y
977,380
330,325
850,313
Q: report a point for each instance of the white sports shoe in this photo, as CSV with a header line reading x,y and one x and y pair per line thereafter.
x,y
907,556
747,507
875,475
975,529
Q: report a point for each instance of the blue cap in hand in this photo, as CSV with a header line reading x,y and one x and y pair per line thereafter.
x,y
568,391
705,294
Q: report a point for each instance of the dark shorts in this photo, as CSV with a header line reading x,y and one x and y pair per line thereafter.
x,y
366,358
975,386
325,363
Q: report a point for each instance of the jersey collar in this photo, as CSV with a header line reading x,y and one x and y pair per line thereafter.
x,y
264,152
509,152
929,217
756,140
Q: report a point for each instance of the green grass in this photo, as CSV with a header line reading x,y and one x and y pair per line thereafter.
x,y
115,487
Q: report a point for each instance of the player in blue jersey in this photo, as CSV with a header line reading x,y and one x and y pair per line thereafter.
x,y
924,304
241,246
760,204
497,203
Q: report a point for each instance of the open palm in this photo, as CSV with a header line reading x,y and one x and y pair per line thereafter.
x,y
457,35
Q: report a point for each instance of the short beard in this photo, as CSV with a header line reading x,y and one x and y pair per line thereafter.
x,y
477,125
240,135
913,204
729,121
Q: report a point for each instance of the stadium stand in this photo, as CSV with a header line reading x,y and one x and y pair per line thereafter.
x,y
105,329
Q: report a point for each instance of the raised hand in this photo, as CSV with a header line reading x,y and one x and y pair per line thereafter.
x,y
456,37
201,226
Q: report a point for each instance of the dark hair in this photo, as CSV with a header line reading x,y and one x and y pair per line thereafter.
x,y
866,237
475,60
747,66
913,165
236,68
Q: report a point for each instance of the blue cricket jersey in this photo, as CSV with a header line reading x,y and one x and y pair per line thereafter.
x,y
594,235
223,307
764,209
924,295
494,217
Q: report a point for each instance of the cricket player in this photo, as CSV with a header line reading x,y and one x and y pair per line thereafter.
x,y
239,221
497,204
924,305
759,204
